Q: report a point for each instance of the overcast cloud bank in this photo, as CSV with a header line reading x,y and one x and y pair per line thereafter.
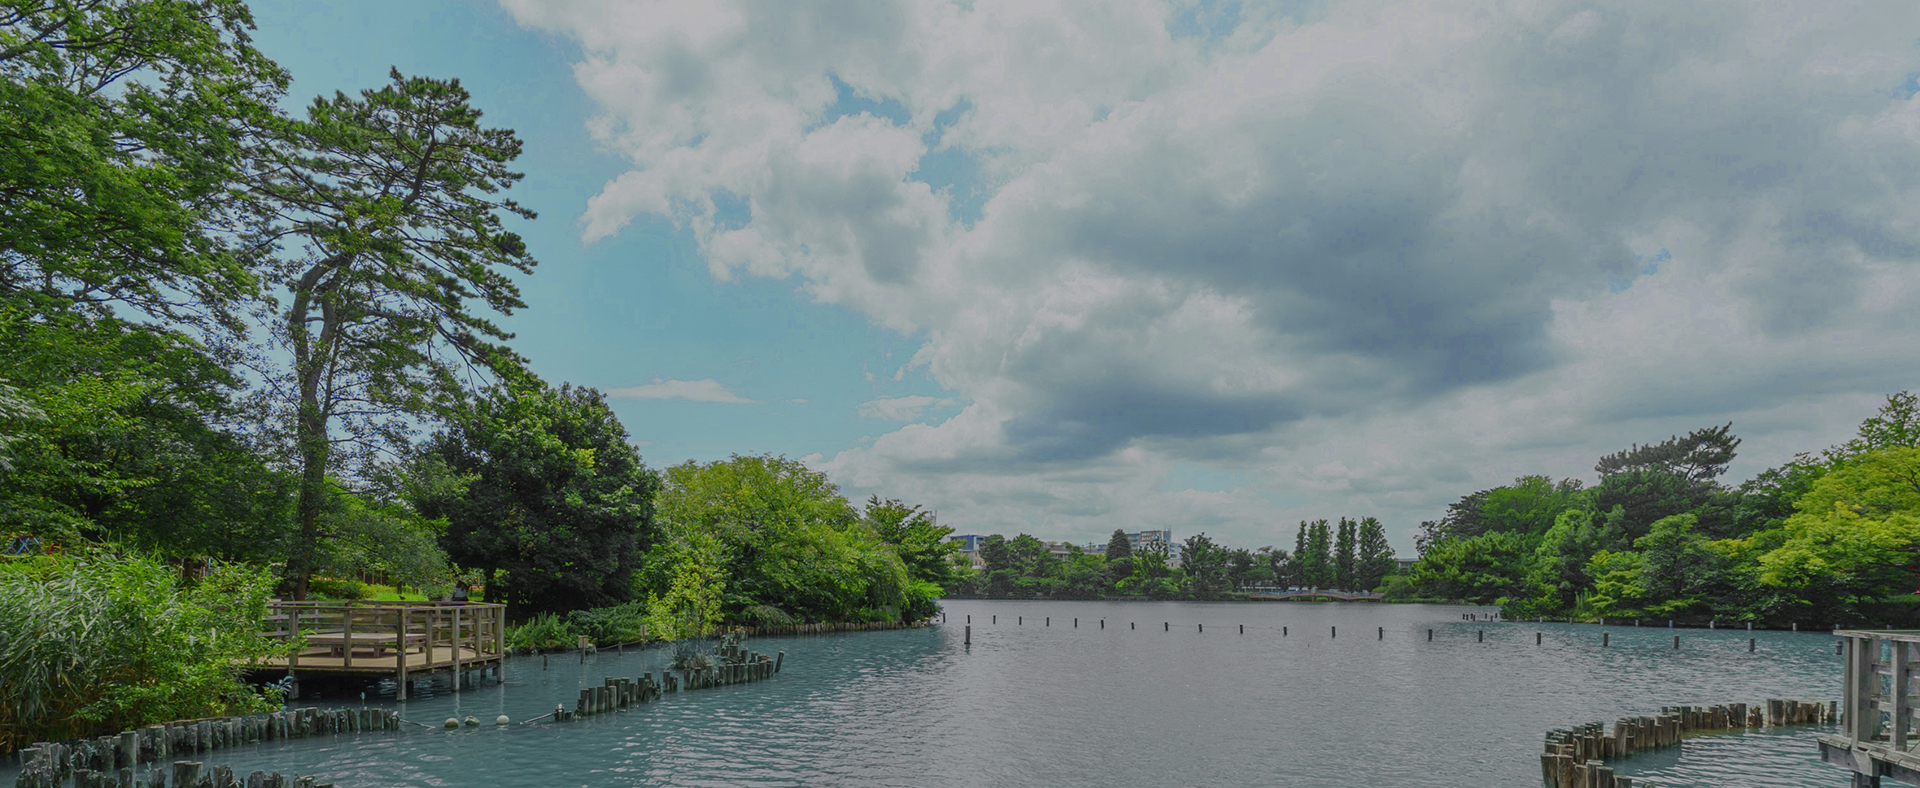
x,y
1361,260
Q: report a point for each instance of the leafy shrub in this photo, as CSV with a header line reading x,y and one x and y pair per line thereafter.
x,y
99,641
609,625
545,630
768,616
333,588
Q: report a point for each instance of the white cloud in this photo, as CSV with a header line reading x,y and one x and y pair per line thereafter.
x,y
708,390
1373,258
908,408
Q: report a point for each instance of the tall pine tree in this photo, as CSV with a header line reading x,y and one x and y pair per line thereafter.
x,y
1317,562
1376,555
1343,556
1119,546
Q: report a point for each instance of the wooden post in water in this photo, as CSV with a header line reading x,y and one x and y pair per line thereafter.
x,y
1536,638
400,654
1166,626
456,651
1749,645
1383,634
1676,641
1483,636
1429,636
1333,632
969,640
1243,629
1203,627
1603,640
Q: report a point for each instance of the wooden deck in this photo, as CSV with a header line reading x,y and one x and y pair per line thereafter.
x,y
388,638
321,660
1879,721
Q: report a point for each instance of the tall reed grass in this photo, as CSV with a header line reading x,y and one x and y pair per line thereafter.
x,y
97,641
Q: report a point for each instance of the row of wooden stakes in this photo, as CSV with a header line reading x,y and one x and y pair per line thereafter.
x,y
831,626
186,774
1575,758
618,693
111,760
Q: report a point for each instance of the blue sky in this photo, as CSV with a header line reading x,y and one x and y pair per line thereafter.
x,y
1199,265
626,310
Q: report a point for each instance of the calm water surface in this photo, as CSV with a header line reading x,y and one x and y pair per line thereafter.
x,y
1036,705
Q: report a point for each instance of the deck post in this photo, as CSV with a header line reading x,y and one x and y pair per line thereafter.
x,y
293,636
346,635
400,653
1901,651
456,650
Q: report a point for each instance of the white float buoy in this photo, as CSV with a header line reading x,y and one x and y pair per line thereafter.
x,y
453,723
500,720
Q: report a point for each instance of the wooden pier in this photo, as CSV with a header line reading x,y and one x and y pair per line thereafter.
x,y
388,638
1878,733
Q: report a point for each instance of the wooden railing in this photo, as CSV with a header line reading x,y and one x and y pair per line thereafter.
x,y
389,636
1878,729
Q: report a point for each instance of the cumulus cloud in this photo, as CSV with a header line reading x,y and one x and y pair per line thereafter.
x,y
1373,257
707,390
909,408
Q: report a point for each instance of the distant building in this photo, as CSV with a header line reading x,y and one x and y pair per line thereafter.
x,y
1405,565
970,548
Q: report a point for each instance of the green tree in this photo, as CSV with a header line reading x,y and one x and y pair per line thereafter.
x,y
1483,570
1376,559
1676,566
388,201
1897,424
1316,564
1344,556
921,542
1119,546
125,436
540,486
1297,568
126,127
790,542
1205,564
1852,540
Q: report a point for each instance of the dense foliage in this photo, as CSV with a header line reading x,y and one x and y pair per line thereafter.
x,y
104,640
1822,539
757,537
542,493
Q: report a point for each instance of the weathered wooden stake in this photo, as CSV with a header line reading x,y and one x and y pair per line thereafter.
x,y
1383,634
1536,638
1483,636
1676,641
1429,636
1603,640
969,640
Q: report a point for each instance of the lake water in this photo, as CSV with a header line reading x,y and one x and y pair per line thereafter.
x,y
1050,706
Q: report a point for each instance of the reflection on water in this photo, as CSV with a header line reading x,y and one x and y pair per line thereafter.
x,y
1059,705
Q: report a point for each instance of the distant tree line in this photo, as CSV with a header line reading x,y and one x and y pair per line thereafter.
x,y
1820,539
1354,557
